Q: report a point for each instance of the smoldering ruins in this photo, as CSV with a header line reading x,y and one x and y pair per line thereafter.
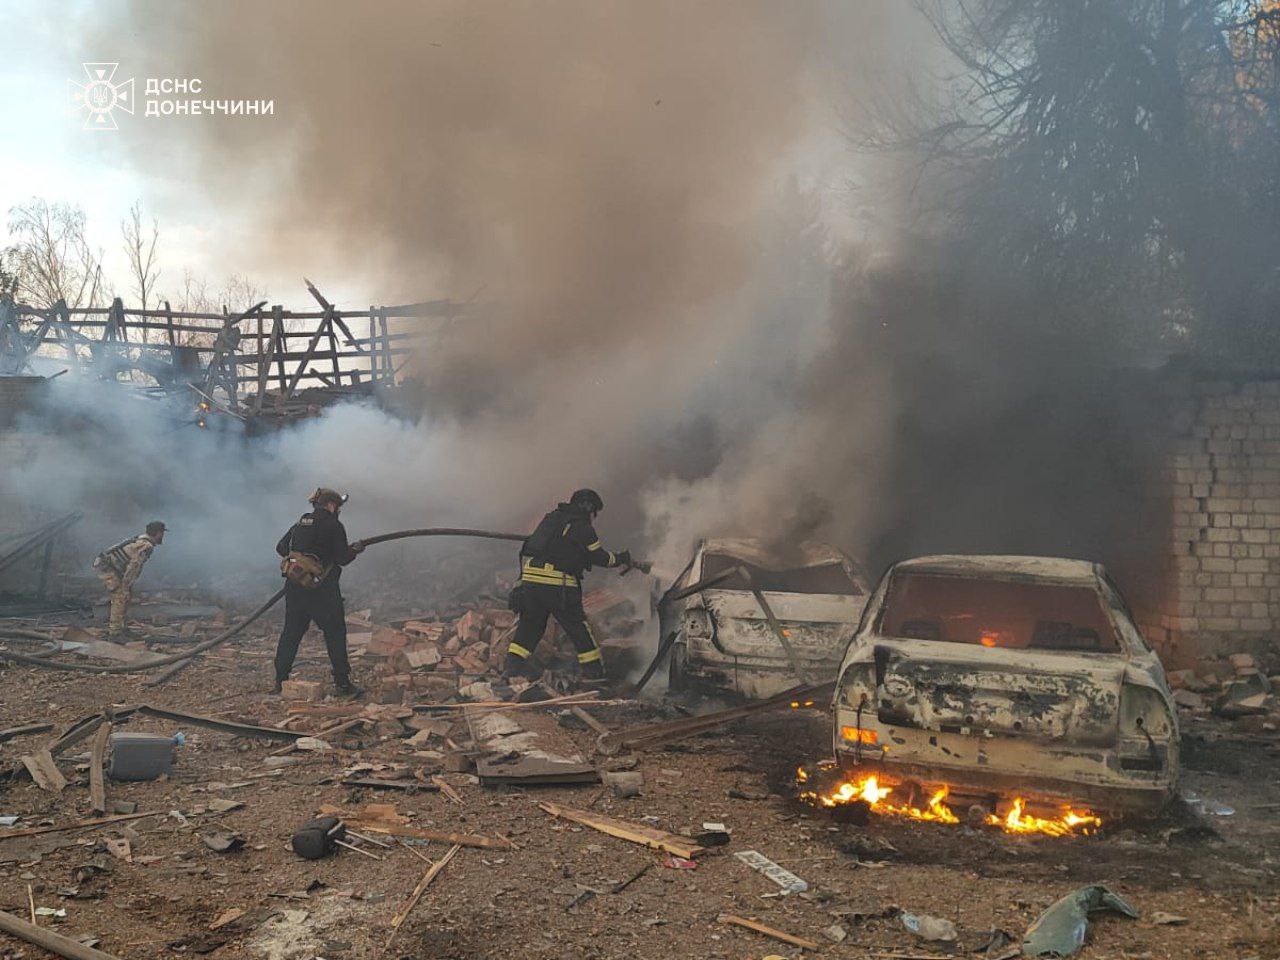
x,y
924,354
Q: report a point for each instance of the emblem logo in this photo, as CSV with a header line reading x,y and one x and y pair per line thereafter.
x,y
100,96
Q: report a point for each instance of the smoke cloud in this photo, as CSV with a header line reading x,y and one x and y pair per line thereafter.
x,y
628,191
625,189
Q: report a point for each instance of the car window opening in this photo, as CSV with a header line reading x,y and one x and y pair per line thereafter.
x,y
829,578
997,614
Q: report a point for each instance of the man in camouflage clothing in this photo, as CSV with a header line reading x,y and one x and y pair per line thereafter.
x,y
118,567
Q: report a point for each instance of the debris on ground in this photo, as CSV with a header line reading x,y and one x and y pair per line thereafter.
x,y
768,931
1061,929
648,836
787,880
933,929
505,773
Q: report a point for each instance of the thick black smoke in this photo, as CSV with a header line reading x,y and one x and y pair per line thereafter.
x,y
672,321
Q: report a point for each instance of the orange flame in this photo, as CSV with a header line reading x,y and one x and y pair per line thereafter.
x,y
1017,821
878,797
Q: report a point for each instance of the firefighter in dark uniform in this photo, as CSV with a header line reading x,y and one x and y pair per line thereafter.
x,y
321,537
552,562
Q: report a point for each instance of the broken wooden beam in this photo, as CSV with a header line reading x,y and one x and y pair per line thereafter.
x,y
24,730
392,829
636,833
44,771
46,534
321,734
589,720
407,907
223,726
97,758
49,940
78,825
651,734
590,698
373,783
768,931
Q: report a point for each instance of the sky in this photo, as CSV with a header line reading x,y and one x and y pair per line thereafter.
x,y
45,152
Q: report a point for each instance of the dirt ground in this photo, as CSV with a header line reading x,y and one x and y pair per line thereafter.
x,y
1221,873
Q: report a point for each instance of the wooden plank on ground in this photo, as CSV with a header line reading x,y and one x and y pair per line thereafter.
x,y
78,825
589,720
24,730
407,907
44,771
97,759
636,833
768,931
49,940
417,833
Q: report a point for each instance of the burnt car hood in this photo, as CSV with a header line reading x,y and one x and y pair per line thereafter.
x,y
817,625
958,687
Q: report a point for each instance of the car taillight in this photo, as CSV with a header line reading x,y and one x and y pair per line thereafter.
x,y
858,685
1144,712
697,623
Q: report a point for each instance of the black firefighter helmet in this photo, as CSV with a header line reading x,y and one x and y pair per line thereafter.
x,y
587,499
324,495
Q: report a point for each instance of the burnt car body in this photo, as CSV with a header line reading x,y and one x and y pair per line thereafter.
x,y
994,674
722,638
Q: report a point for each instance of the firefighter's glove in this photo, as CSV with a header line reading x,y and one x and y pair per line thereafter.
x,y
623,559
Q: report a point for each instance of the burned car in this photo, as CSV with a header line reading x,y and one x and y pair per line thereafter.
x,y
758,623
992,675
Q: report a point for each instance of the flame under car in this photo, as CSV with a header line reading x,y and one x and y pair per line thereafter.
x,y
725,638
1003,675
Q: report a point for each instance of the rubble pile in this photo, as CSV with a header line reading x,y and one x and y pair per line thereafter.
x,y
433,658
1236,689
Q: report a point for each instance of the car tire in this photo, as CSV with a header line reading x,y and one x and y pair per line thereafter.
x,y
677,672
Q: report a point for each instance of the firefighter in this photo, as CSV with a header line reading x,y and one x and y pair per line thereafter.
x,y
118,568
552,562
315,549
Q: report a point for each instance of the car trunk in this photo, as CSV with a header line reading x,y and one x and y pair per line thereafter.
x,y
959,687
815,624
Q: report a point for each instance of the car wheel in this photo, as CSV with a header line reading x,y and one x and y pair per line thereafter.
x,y
677,673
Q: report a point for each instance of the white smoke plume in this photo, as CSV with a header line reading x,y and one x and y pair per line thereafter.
x,y
641,191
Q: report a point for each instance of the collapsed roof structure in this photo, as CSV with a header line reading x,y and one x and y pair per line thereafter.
x,y
263,367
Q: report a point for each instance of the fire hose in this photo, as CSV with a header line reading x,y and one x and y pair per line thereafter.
x,y
178,661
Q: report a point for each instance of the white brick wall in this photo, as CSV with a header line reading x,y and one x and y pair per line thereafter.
x,y
1222,580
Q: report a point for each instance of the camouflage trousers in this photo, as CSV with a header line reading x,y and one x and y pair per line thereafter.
x,y
119,596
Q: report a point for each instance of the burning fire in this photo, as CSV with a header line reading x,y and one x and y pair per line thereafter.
x,y
879,798
1016,821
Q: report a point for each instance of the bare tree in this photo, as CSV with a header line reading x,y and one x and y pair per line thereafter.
x,y
8,273
1126,150
193,296
239,293
52,258
140,250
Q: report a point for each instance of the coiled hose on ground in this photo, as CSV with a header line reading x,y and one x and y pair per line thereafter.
x,y
211,643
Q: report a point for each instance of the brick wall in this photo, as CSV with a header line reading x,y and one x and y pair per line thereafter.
x,y
1221,582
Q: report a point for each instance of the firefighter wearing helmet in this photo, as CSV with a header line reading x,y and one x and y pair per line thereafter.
x,y
314,551
552,562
